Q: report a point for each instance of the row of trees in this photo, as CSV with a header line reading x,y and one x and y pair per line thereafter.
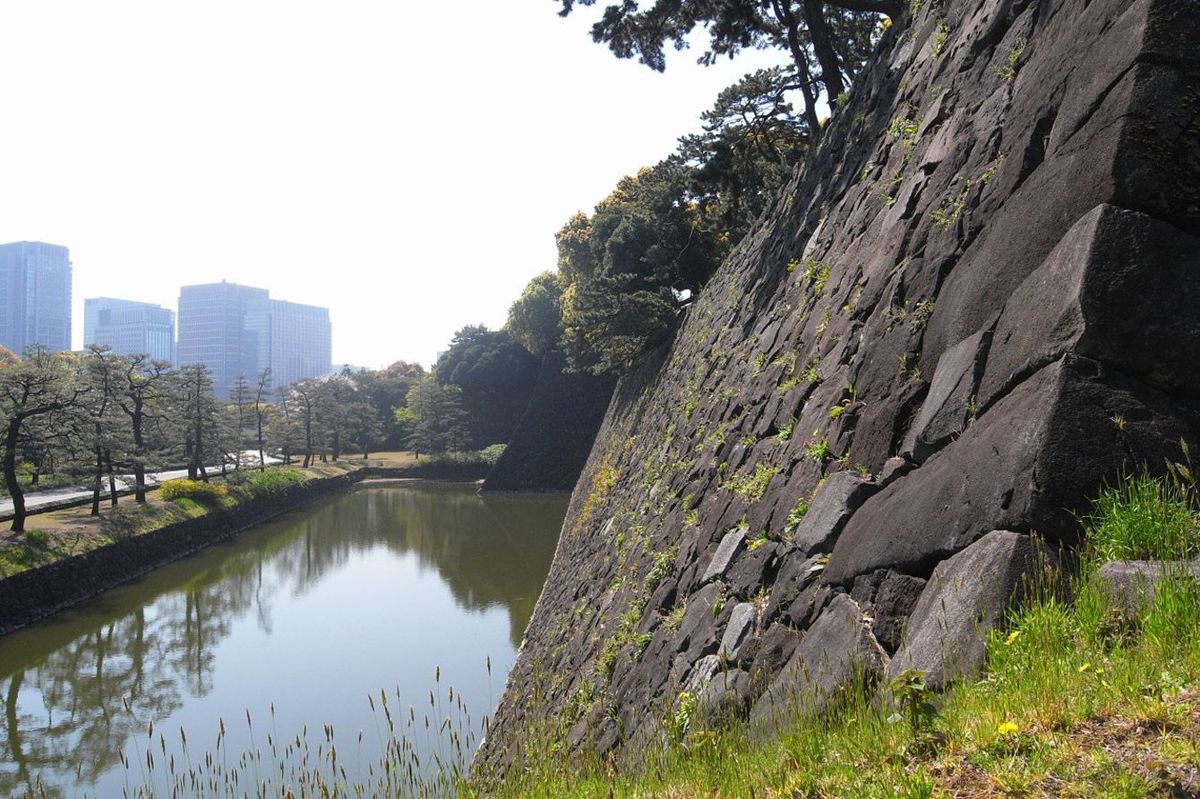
x,y
100,415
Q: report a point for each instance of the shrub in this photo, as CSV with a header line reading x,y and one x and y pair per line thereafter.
x,y
188,506
204,493
492,454
272,481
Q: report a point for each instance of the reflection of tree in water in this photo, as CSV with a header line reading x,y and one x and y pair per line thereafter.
x,y
490,551
493,550
83,688
66,711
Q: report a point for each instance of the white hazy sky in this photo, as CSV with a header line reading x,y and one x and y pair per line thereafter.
x,y
404,163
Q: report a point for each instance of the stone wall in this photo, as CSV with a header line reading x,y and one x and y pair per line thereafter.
x,y
552,442
974,304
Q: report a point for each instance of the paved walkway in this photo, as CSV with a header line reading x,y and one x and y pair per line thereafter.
x,y
70,495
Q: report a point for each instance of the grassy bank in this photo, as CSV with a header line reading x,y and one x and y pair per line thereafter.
x,y
1077,699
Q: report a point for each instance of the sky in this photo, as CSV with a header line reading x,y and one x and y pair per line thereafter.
x,y
405,164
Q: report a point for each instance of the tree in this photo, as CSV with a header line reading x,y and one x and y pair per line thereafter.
x,y
535,319
624,265
261,413
104,374
750,143
45,388
140,386
828,40
304,396
196,410
495,376
386,390
239,394
436,414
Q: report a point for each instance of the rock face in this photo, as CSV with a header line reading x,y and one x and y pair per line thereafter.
x,y
966,596
974,304
555,435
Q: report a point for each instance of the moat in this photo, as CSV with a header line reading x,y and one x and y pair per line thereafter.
x,y
401,588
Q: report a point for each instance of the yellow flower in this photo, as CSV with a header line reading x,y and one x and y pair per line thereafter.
x,y
1008,728
1084,667
1014,635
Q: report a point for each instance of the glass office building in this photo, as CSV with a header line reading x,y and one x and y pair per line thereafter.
x,y
35,296
130,327
239,330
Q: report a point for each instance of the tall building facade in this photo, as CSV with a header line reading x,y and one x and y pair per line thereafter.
x,y
238,330
130,327
35,296
294,340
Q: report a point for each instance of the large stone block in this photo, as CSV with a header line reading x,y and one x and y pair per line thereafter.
x,y
949,405
837,651
1031,462
1131,585
967,596
1120,288
836,500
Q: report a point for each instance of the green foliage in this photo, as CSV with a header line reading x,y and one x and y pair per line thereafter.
x,y
494,376
831,41
36,536
904,129
817,449
785,432
940,34
435,416
207,494
795,516
916,705
751,487
946,214
492,453
276,480
812,372
1007,71
660,567
535,319
621,263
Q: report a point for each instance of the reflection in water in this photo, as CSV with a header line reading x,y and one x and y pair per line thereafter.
x,y
378,586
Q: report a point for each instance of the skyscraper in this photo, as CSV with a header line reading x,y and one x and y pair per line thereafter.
x,y
239,330
130,327
35,296
293,339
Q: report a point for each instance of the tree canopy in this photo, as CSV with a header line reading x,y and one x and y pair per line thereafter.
x,y
828,40
535,318
495,376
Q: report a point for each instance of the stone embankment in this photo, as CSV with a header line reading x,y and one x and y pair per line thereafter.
x,y
973,305
551,444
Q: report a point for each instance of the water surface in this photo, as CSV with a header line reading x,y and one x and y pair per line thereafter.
x,y
295,623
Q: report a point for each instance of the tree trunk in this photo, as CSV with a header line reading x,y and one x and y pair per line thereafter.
x,y
139,447
98,482
10,473
822,39
783,10
112,480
